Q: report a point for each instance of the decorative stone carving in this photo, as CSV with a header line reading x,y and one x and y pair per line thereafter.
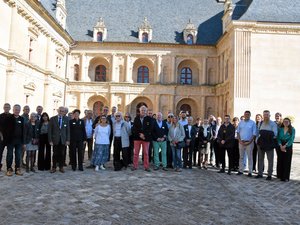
x,y
145,31
190,33
100,31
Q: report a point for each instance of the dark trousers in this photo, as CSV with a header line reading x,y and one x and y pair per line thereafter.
x,y
2,146
89,143
118,164
44,154
254,156
279,165
58,155
169,155
230,157
188,155
76,150
195,150
150,152
236,154
130,150
217,150
17,146
284,161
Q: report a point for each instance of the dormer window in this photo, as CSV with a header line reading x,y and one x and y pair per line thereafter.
x,y
99,37
100,31
145,31
190,33
145,38
190,39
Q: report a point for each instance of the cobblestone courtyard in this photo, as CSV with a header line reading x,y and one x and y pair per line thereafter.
x,y
160,197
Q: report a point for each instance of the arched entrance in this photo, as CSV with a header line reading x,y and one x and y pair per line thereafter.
x,y
186,108
137,103
97,108
188,105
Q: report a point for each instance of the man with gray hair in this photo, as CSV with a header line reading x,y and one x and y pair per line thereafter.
x,y
18,139
141,130
59,137
160,134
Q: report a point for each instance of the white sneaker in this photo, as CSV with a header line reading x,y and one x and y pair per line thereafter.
x,y
102,167
97,168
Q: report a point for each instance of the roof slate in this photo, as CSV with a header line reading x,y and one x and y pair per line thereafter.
x,y
168,18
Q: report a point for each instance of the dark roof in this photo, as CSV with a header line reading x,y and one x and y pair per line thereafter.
x,y
168,18
284,11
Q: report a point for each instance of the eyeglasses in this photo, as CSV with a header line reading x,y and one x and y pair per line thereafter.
x,y
118,116
170,116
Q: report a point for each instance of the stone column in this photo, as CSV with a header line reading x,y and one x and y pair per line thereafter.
x,y
173,70
202,108
47,96
203,78
10,83
113,69
158,69
83,68
13,34
128,69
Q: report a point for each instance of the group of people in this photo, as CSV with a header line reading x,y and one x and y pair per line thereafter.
x,y
176,142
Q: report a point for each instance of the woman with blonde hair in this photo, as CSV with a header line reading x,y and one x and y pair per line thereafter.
x,y
101,149
286,136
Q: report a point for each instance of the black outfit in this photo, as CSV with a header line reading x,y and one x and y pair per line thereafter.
x,y
7,124
236,155
284,164
44,153
226,133
77,137
145,128
196,145
188,149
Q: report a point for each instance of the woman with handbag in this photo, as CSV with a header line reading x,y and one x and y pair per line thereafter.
x,y
31,141
176,137
286,136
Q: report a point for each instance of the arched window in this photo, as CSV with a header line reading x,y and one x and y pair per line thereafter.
x,y
143,74
190,39
99,37
100,73
76,72
186,76
145,38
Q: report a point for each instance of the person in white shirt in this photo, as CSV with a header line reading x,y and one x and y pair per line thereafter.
x,y
102,142
88,122
246,133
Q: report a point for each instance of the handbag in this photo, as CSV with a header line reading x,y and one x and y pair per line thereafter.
x,y
34,141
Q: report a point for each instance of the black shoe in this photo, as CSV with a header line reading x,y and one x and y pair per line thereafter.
x,y
156,168
90,167
165,169
148,170
249,175
222,171
229,172
133,169
259,176
80,169
190,167
239,173
269,178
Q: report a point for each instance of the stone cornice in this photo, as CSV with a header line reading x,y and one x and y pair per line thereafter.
x,y
265,27
17,58
41,11
90,44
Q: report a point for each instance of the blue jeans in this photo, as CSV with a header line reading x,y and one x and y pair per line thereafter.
x,y
10,155
176,153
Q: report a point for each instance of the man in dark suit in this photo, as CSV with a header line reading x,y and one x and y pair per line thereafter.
x,y
7,123
18,139
190,135
141,130
226,137
77,140
59,138
160,134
